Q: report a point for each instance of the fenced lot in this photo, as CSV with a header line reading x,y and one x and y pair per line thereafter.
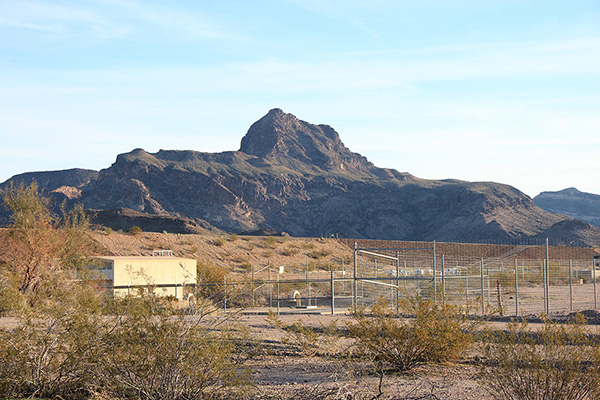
x,y
486,279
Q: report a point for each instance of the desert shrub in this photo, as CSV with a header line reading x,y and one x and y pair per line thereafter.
x,y
210,281
11,299
156,353
233,237
142,348
290,251
108,230
435,333
52,350
246,266
269,242
307,245
134,230
316,254
218,242
555,362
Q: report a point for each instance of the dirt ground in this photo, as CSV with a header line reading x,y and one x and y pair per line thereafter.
x,y
285,372
281,369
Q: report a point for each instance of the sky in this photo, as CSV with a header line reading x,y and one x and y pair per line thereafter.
x,y
505,91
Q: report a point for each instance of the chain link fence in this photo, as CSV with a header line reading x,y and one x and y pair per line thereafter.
x,y
509,280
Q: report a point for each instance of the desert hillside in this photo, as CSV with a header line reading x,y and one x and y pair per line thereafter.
x,y
237,254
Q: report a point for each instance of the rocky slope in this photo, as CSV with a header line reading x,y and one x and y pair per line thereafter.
x,y
571,202
295,177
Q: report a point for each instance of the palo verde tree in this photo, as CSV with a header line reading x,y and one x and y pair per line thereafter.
x,y
38,245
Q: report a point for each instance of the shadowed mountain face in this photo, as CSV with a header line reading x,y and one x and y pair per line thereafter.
x,y
296,177
571,202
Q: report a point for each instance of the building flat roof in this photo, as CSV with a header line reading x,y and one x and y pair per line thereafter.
x,y
141,258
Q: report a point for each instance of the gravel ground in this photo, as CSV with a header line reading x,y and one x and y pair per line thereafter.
x,y
284,373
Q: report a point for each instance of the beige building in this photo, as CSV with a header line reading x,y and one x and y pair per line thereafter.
x,y
167,275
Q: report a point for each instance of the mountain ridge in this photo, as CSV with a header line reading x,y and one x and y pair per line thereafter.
x,y
571,202
293,176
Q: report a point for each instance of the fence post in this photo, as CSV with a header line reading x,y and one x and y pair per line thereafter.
x,y
354,282
482,288
443,281
467,287
332,295
434,275
225,293
252,287
398,280
570,286
516,290
595,295
277,292
270,288
548,276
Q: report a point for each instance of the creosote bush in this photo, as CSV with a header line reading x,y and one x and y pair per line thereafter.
x,y
556,362
158,353
136,348
434,333
134,230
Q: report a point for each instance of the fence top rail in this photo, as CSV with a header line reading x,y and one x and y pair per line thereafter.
x,y
377,255
393,248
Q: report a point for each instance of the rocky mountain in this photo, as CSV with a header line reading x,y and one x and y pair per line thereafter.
x,y
295,177
61,186
571,202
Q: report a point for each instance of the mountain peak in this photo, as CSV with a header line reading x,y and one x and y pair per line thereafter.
x,y
281,136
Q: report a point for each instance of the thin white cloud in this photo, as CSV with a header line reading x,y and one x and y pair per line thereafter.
x,y
112,19
188,21
54,17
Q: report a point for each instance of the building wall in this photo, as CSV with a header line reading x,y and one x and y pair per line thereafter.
x,y
167,275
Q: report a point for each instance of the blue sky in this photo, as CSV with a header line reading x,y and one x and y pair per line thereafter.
x,y
482,90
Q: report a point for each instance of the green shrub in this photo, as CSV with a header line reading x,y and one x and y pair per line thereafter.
x,y
558,361
53,351
144,348
134,230
155,353
435,333
210,281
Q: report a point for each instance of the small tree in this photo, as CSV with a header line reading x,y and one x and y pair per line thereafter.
x,y
37,244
